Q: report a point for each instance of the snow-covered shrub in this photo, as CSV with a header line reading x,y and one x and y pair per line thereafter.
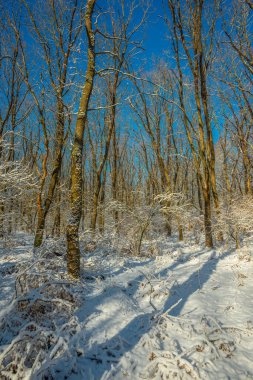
x,y
145,221
235,219
180,211
17,185
39,322
133,225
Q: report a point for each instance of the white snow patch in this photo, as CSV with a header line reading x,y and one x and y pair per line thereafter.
x,y
185,314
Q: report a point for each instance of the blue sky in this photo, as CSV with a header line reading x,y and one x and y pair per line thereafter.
x,y
156,32
154,36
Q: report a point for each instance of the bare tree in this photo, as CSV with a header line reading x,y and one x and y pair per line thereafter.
x,y
188,37
73,249
57,44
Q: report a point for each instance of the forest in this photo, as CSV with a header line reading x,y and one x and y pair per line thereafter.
x,y
126,210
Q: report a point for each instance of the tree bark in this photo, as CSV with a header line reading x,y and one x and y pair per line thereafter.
x,y
73,249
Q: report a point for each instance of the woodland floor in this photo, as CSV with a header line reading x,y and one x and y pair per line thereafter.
x,y
181,312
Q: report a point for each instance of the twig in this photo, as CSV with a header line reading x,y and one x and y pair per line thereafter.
x,y
171,308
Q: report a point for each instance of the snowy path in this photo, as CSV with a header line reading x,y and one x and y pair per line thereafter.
x,y
130,328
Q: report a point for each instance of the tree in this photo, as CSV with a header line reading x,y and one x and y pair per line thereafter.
x,y
73,250
57,44
188,37
121,48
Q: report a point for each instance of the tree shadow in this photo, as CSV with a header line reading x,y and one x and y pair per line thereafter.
x,y
100,357
132,286
194,283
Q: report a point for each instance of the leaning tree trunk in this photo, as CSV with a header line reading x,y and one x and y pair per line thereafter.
x,y
44,209
73,250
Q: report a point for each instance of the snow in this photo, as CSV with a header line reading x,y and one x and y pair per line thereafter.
x,y
185,313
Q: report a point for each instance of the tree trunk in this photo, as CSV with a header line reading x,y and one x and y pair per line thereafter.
x,y
39,231
57,220
59,141
40,223
180,232
1,219
73,249
207,218
101,221
95,209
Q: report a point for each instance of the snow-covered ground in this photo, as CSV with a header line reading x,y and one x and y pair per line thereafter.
x,y
184,312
